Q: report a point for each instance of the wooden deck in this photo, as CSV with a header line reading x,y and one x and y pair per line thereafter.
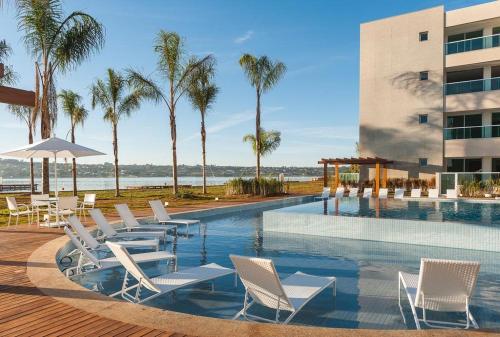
x,y
26,311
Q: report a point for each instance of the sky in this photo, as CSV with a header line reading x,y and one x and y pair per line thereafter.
x,y
315,105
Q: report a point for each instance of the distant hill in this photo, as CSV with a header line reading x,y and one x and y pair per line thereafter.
x,y
11,168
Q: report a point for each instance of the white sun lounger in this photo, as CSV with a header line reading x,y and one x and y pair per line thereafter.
x,y
109,232
339,193
93,244
325,195
451,193
132,224
382,193
367,193
416,193
433,193
353,192
162,216
263,285
399,193
89,262
441,285
164,283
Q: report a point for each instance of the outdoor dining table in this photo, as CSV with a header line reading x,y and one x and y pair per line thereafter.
x,y
54,201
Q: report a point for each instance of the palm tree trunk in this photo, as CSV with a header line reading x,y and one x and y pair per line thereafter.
x,y
45,129
115,152
173,135
257,135
203,152
73,170
32,166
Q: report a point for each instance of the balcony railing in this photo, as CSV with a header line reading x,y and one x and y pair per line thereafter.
x,y
485,84
468,132
476,43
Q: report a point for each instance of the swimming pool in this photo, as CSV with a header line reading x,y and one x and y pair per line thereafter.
x,y
366,272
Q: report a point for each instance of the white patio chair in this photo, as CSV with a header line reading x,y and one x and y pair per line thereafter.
x,y
87,203
325,195
39,203
92,243
339,193
416,193
367,192
87,261
399,193
263,285
132,224
164,283
109,232
161,215
441,285
353,192
433,193
18,210
451,193
382,193
67,206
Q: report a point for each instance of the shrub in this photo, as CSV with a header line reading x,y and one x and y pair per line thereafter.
x,y
263,186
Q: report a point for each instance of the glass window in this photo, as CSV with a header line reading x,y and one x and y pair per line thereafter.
x,y
422,162
473,165
473,120
424,75
495,165
455,121
495,118
422,119
423,36
496,30
454,165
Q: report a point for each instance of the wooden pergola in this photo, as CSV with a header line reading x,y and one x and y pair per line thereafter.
x,y
15,96
378,162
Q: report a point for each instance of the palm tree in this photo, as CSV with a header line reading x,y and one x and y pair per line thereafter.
x,y
113,96
29,116
202,93
173,67
9,77
263,74
57,43
78,114
269,141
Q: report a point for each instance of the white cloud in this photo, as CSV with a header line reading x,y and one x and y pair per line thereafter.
x,y
244,38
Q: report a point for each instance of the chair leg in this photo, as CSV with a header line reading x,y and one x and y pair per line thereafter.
x,y
17,220
10,216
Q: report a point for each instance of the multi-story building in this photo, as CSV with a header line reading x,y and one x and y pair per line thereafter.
x,y
430,90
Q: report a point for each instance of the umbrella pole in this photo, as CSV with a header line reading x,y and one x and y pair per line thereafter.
x,y
56,191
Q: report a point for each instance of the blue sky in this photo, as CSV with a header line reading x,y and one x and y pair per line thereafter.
x,y
315,106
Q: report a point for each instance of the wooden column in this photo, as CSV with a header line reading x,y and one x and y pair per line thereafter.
x,y
384,176
325,175
377,178
337,180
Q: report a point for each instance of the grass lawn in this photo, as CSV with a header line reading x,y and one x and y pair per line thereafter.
x,y
138,199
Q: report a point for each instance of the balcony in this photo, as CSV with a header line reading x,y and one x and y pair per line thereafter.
x,y
469,132
486,84
477,43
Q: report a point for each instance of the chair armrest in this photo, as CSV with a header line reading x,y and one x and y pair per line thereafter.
x,y
23,205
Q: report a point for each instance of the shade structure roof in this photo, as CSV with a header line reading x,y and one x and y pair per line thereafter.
x,y
358,161
52,147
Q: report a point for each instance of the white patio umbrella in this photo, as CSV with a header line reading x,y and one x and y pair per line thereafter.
x,y
52,148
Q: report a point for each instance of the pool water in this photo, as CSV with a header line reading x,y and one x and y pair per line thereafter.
x,y
366,271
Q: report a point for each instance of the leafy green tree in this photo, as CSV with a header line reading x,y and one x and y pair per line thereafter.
x,y
72,107
263,74
269,141
172,66
202,93
57,43
9,76
117,100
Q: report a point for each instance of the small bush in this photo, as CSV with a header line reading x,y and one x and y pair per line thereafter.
x,y
263,187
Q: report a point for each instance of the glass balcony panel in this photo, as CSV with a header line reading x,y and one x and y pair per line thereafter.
x,y
472,132
477,43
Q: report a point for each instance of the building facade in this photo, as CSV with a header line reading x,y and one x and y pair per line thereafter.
x,y
430,91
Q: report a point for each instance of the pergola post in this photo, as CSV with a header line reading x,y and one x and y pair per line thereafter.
x,y
377,177
384,176
325,174
337,180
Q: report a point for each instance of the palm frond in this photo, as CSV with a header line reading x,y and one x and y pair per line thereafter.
x,y
274,73
145,86
269,141
169,47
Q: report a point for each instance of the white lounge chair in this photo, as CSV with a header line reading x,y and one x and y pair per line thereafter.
x,y
39,203
164,283
441,285
367,193
87,204
263,285
339,193
451,193
162,216
416,193
382,193
433,193
87,261
109,232
325,195
93,244
132,224
353,192
399,193
18,210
